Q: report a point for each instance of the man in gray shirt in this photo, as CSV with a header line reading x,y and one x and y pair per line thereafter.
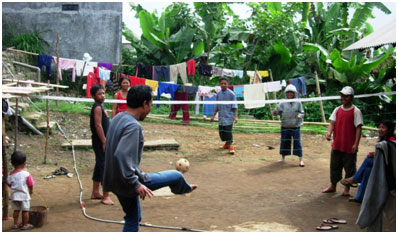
x,y
123,152
228,114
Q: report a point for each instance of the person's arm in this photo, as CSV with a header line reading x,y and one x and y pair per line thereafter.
x,y
30,182
98,126
114,106
330,130
300,115
236,114
358,132
30,190
214,114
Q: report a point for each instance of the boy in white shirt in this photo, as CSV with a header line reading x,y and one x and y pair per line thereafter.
x,y
21,184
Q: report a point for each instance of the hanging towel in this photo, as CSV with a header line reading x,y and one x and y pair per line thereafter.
x,y
104,74
273,86
191,66
208,109
238,73
176,69
136,81
197,98
254,92
217,71
66,64
45,60
143,70
205,91
300,85
167,88
205,69
152,83
283,83
105,65
238,89
227,73
87,68
263,73
161,71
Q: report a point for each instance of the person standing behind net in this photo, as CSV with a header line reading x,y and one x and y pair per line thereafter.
x,y
292,114
227,116
346,125
99,122
121,95
124,147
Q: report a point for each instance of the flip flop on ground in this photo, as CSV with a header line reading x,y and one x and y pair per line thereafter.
x,y
326,227
27,227
18,226
334,221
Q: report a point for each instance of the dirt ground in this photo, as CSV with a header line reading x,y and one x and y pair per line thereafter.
x,y
249,191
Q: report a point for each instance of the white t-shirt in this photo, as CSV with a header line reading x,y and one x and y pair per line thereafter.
x,y
358,120
19,181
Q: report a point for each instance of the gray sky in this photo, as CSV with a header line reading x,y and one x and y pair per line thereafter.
x,y
132,23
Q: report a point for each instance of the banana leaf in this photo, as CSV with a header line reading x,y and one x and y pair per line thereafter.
x,y
283,51
150,31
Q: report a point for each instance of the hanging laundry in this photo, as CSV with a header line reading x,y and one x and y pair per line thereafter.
x,y
273,86
136,81
105,65
283,83
238,90
91,80
263,73
87,66
45,60
231,87
180,96
208,109
254,92
191,90
254,76
161,71
300,85
207,90
191,66
227,73
238,73
66,64
166,88
152,83
217,71
104,74
143,70
205,69
176,69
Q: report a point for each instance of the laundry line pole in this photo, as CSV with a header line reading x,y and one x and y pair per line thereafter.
x,y
56,53
318,90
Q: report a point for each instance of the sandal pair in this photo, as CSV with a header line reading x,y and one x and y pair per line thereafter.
x,y
326,227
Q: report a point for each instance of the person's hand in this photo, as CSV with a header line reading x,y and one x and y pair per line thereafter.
x,y
143,191
236,119
371,155
212,119
328,136
354,149
298,117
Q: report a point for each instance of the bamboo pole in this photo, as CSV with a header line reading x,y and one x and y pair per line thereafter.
x,y
5,172
16,124
273,93
48,130
56,52
318,90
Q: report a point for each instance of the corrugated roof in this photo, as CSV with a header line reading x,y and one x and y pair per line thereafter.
x,y
383,36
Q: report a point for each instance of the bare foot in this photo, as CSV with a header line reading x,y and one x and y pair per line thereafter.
x,y
330,189
107,201
96,196
194,186
346,192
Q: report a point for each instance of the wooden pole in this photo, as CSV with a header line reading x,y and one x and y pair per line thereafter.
x,y
273,93
48,130
56,52
16,125
5,172
318,90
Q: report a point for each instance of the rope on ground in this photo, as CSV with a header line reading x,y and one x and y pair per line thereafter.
x,y
105,220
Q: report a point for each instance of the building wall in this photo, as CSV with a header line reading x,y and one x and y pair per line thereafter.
x,y
95,28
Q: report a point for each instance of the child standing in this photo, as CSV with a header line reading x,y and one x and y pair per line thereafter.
x,y
21,184
292,114
346,126
99,122
228,114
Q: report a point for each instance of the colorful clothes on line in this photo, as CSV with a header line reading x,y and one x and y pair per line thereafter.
x,y
191,66
273,86
152,83
181,96
300,85
208,109
263,73
217,71
167,88
91,80
254,92
105,65
205,69
161,71
143,70
191,90
176,69
45,60
136,81
238,90
238,73
87,66
66,64
104,74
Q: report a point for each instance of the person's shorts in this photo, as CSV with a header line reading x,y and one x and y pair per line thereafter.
x,y
21,205
225,133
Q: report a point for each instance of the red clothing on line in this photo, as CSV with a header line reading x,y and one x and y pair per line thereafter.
x,y
181,96
344,131
191,65
136,81
91,80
